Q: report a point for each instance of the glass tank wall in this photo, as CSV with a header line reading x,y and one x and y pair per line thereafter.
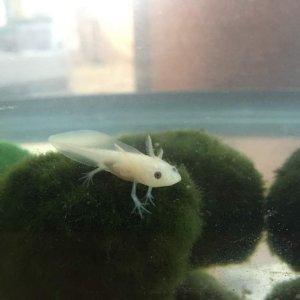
x,y
216,86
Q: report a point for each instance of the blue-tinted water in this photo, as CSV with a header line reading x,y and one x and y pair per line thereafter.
x,y
237,113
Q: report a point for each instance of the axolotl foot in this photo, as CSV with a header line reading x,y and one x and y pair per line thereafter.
x,y
88,177
148,197
139,206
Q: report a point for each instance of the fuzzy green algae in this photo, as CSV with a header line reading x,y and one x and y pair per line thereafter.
x,y
282,212
232,191
287,290
63,240
9,155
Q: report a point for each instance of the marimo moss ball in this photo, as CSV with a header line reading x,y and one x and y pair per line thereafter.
x,y
199,285
232,193
9,155
63,240
283,212
288,290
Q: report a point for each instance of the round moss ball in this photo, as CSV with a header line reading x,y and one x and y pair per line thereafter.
x,y
231,188
61,239
9,155
287,290
200,285
283,210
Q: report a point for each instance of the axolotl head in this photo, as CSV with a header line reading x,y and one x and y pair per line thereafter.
x,y
157,173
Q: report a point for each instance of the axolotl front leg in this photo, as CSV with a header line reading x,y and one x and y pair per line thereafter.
x,y
139,206
149,197
150,150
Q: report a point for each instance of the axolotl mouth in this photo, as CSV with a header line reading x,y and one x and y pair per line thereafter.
x,y
177,178
174,176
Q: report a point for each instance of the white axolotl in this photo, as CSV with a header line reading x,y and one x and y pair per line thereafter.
x,y
106,153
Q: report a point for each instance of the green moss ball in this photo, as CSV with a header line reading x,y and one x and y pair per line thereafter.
x,y
288,290
63,240
200,285
232,193
283,211
9,155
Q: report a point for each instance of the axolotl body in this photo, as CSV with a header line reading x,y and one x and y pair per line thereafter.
x,y
106,153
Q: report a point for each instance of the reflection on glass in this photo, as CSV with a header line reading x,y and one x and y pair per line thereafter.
x,y
69,46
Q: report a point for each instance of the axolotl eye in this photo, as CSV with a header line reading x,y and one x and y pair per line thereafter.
x,y
157,175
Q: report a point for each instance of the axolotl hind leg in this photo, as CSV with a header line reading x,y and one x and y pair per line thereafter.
x,y
88,177
139,206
